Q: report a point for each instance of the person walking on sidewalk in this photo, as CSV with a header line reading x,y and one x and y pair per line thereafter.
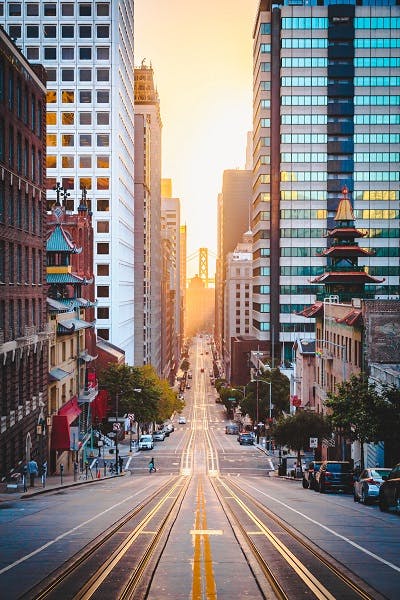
x,y
33,471
152,466
120,463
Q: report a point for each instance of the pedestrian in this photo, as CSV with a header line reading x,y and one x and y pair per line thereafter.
x,y
33,471
44,473
120,463
152,466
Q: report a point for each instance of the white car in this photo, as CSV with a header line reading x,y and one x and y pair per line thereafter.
x,y
182,420
146,442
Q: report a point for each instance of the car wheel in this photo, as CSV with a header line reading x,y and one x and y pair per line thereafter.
x,y
305,484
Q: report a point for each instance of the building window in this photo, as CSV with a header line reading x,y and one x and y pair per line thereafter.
x,y
103,183
104,334
85,161
85,139
103,118
32,53
85,97
103,53
67,139
67,97
103,162
102,9
67,31
67,118
68,53
103,31
85,53
103,97
103,291
85,10
85,118
50,53
103,312
85,31
103,75
67,161
50,31
103,205
67,75
103,248
14,9
14,32
67,10
103,270
103,139
85,75
103,226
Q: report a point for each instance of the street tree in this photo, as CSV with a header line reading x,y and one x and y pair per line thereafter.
x,y
295,431
185,365
257,397
358,410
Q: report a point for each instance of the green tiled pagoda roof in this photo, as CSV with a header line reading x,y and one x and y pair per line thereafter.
x,y
63,278
59,241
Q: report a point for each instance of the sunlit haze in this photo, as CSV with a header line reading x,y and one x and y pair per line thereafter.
x,y
201,53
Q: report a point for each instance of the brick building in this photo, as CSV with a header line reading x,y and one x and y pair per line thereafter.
x,y
23,336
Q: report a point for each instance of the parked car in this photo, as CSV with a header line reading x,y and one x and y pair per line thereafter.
x,y
146,442
168,426
389,491
309,474
232,429
366,486
246,439
334,476
182,420
159,436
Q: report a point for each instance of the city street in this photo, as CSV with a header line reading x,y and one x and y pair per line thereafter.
x,y
203,554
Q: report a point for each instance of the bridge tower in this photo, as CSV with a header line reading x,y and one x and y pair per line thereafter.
x,y
203,265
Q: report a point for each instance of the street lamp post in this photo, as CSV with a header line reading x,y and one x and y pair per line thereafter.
x,y
116,432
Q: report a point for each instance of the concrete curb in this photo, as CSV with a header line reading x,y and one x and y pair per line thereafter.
x,y
64,486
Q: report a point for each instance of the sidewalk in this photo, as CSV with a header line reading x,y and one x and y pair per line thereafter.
x,y
52,483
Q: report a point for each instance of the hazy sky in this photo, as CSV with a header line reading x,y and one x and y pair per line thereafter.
x,y
201,53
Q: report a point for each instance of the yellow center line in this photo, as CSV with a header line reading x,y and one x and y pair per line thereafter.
x,y
202,539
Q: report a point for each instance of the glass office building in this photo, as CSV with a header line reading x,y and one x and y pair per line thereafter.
x,y
326,115
87,49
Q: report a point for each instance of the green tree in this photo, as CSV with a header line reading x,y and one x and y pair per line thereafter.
x,y
185,365
358,410
169,402
295,430
280,387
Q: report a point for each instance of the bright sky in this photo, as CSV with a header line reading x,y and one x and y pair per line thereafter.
x,y
201,53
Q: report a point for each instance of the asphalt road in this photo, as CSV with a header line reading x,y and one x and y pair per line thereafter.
x,y
38,534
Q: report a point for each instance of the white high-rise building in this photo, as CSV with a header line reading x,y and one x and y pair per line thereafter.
x,y
87,49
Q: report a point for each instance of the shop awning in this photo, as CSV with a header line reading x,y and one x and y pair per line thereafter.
x,y
60,433
99,406
70,410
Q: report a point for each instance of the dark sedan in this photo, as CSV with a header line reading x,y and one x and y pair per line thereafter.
x,y
246,439
389,491
334,476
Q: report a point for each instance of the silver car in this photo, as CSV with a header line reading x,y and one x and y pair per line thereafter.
x,y
366,487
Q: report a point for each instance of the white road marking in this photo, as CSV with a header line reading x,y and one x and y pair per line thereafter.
x,y
66,533
340,536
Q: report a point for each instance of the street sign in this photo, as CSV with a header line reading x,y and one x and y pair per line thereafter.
x,y
313,442
131,416
116,426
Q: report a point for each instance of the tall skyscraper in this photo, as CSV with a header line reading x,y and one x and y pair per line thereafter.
x,y
87,49
170,210
148,252
326,116
233,220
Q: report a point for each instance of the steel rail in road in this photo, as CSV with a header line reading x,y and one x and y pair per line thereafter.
x,y
242,508
79,569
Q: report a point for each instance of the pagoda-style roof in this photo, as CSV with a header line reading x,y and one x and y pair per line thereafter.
x,y
344,211
353,317
359,277
312,311
60,241
66,278
345,233
346,250
59,305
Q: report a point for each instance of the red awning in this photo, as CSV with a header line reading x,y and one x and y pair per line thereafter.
x,y
70,410
60,433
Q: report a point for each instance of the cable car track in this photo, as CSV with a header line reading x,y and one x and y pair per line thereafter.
x,y
80,577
